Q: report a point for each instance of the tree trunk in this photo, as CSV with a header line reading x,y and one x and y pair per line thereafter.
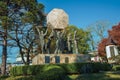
x,y
20,48
22,55
4,54
28,55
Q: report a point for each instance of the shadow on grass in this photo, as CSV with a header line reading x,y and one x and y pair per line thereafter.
x,y
68,78
97,76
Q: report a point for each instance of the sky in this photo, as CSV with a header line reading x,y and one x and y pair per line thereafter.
x,y
83,13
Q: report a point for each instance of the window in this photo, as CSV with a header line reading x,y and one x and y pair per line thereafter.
x,y
112,51
47,59
66,60
57,59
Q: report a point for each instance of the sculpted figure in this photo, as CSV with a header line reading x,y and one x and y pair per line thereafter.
x,y
42,39
49,42
59,42
75,43
69,43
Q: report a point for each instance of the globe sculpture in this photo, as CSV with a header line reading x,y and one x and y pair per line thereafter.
x,y
57,19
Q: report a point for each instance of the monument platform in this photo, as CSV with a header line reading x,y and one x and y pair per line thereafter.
x,y
60,58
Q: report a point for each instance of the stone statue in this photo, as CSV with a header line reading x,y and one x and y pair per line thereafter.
x,y
69,43
75,43
59,37
49,42
42,39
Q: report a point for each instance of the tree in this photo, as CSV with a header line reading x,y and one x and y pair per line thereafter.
x,y
24,39
115,34
4,24
15,14
82,37
98,32
101,47
113,37
24,33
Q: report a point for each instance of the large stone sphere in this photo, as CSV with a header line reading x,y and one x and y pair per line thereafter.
x,y
57,19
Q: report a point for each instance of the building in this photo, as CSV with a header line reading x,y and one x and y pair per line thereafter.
x,y
112,51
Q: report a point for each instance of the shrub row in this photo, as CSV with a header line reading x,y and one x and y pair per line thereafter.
x,y
37,72
52,73
68,68
56,71
3,77
116,68
27,70
85,67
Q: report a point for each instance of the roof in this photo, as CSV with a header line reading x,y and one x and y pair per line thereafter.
x,y
111,41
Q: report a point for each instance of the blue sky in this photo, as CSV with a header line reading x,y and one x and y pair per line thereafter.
x,y
85,12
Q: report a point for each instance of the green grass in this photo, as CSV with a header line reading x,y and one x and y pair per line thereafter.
x,y
109,75
96,76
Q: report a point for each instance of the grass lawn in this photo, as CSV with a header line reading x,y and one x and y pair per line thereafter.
x,y
109,75
96,76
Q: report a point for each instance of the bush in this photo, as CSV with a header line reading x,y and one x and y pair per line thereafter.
x,y
116,67
26,70
72,68
75,68
52,73
69,68
48,72
105,67
3,77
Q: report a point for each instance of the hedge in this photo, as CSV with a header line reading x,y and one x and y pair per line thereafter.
x,y
3,77
52,73
116,67
71,68
26,70
48,72
75,68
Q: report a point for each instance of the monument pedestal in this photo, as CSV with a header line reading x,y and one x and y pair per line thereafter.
x,y
60,58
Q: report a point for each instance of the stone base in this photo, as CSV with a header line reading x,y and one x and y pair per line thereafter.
x,y
60,58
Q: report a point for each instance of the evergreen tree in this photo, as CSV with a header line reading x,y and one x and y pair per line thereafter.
x,y
14,16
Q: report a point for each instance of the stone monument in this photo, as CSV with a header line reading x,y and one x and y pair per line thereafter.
x,y
57,20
